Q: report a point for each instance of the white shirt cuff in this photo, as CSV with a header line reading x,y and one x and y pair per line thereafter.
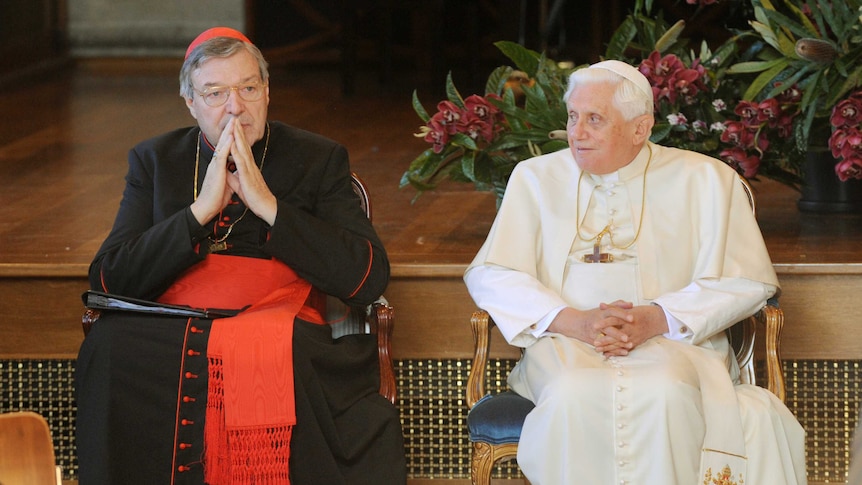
x,y
676,330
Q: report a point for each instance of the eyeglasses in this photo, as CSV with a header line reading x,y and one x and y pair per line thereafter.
x,y
215,96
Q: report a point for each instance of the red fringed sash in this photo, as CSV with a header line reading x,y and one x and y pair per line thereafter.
x,y
250,401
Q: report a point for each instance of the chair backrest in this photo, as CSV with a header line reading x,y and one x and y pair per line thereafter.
x,y
26,450
362,192
741,334
378,318
343,319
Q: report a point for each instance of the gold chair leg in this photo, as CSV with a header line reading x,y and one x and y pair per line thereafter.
x,y
481,463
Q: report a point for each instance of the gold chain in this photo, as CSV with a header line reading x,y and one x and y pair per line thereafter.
x,y
607,229
215,242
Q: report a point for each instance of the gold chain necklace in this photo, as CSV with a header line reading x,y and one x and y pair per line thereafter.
x,y
597,256
220,244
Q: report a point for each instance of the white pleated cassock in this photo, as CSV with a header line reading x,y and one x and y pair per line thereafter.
x,y
652,416
640,418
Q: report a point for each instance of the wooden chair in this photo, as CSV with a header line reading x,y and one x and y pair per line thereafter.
x,y
27,450
378,318
495,421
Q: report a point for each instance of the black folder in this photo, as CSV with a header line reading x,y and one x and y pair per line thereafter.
x,y
97,300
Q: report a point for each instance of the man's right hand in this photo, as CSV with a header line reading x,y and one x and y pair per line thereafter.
x,y
599,326
215,192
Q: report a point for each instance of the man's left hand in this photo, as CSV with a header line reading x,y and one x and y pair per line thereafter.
x,y
647,322
247,181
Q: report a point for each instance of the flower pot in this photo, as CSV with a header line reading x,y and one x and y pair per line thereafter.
x,y
822,191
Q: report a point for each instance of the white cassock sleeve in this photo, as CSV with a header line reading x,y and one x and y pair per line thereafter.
x,y
523,308
711,305
516,300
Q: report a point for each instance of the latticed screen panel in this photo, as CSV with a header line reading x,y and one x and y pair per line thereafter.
x,y
824,395
45,387
431,396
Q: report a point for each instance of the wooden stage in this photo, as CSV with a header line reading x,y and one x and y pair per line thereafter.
x,y
63,145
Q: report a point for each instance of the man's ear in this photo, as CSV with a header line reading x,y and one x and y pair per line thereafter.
x,y
190,104
643,128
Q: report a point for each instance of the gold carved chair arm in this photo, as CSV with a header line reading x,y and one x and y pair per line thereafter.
x,y
772,318
481,324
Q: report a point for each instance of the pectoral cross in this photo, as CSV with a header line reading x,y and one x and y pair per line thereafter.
x,y
216,246
597,256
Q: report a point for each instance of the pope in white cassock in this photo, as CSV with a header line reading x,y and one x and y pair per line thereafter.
x,y
618,264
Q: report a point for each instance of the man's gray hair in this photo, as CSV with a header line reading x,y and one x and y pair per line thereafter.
x,y
631,100
218,47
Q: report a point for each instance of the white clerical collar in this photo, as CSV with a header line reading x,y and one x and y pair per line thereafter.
x,y
635,168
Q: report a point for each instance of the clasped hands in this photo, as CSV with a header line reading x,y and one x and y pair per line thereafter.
x,y
614,329
220,182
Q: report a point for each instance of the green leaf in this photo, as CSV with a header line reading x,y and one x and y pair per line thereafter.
x,y
553,146
452,92
468,165
854,79
524,59
785,23
811,93
670,36
660,131
497,79
754,66
764,80
621,38
803,129
723,54
460,139
419,109
766,34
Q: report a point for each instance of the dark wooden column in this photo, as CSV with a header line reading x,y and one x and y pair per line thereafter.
x,y
32,37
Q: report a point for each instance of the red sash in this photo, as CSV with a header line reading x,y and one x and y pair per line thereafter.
x,y
250,400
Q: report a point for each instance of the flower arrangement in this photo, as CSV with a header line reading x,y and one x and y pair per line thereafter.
x,y
759,101
480,139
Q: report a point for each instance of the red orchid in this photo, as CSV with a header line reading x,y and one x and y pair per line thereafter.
x,y
747,111
481,108
449,114
848,112
846,140
737,133
849,168
437,133
738,157
475,127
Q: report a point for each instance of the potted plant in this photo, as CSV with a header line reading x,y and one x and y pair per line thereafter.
x,y
813,48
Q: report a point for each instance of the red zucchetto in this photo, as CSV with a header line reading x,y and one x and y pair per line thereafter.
x,y
213,33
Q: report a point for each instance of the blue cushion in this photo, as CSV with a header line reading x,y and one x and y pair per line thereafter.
x,y
498,418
